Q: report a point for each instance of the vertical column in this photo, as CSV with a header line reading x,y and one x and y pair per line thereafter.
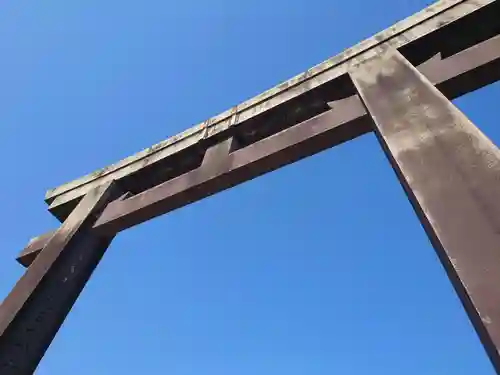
x,y
451,174
36,307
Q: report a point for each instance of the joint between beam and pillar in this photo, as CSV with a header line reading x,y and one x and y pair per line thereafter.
x,y
451,174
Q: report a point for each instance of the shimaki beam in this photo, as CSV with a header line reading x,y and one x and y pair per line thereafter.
x,y
397,84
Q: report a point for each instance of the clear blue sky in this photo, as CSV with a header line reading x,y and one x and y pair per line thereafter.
x,y
318,268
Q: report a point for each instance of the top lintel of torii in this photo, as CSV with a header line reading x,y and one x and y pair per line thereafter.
x,y
403,33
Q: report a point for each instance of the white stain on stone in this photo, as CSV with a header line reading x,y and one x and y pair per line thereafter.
x,y
486,319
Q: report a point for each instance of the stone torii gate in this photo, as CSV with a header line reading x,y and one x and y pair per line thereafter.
x,y
397,84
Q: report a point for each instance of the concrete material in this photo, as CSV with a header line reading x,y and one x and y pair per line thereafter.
x,y
34,310
451,173
63,198
455,75
448,168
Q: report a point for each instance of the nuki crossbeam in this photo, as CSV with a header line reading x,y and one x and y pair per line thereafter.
x,y
398,84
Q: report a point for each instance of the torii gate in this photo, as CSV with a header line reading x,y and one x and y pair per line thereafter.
x,y
397,84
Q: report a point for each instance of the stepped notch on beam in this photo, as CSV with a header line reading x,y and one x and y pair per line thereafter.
x,y
456,74
441,28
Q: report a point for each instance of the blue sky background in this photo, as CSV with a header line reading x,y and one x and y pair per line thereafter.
x,y
318,268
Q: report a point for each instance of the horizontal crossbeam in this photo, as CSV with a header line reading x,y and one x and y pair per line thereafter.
x,y
397,84
447,27
290,145
346,120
